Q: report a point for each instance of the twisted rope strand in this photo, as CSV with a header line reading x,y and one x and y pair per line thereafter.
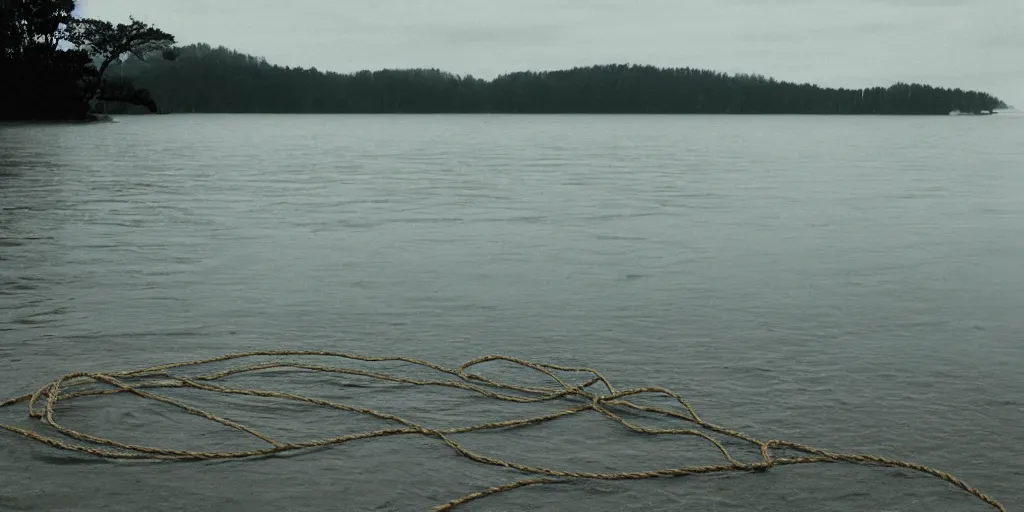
x,y
42,404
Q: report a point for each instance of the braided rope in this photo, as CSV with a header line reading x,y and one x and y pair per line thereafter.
x,y
141,382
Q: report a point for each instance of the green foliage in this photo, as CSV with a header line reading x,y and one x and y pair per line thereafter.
x,y
207,79
60,81
119,91
40,80
29,26
109,42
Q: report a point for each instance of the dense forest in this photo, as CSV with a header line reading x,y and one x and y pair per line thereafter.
x,y
59,66
207,79
54,63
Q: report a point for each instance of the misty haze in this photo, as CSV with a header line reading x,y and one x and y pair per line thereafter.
x,y
538,255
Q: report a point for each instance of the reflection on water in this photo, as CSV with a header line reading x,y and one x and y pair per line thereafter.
x,y
852,283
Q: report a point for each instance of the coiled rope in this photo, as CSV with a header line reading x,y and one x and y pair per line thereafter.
x,y
609,403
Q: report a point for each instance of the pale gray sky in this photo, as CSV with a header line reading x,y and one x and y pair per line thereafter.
x,y
972,44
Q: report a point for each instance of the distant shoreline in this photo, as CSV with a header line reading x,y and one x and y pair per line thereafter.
x,y
519,114
204,79
89,119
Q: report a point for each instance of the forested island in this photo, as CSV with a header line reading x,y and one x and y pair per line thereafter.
x,y
219,80
67,67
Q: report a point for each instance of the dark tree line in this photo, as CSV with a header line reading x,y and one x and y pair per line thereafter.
x,y
57,66
53,64
207,79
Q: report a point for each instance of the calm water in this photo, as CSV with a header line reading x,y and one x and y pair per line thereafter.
x,y
851,283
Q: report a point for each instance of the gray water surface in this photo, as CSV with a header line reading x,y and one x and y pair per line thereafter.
x,y
852,283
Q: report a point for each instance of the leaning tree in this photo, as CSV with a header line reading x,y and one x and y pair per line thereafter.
x,y
109,43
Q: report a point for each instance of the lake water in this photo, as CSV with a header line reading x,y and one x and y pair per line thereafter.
x,y
853,283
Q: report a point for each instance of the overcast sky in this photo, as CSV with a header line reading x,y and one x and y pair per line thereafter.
x,y
973,44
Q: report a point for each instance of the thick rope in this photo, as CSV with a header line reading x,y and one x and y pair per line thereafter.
x,y
141,382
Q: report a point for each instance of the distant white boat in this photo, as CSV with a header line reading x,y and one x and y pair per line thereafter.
x,y
956,113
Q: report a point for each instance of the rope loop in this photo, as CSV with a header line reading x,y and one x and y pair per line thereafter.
x,y
610,404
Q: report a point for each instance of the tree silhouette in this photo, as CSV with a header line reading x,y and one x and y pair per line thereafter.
x,y
55,65
111,42
208,79
47,59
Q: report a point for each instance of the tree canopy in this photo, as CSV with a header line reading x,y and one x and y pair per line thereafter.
x,y
60,64
208,79
109,42
54,63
